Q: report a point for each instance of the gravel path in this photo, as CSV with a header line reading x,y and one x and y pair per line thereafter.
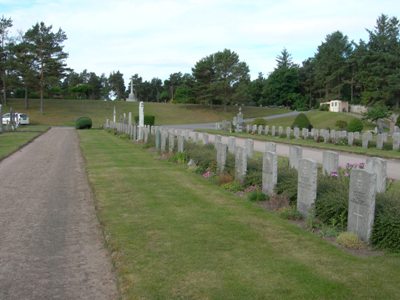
x,y
51,246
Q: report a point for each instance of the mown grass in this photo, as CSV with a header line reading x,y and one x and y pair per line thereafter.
x,y
65,112
12,141
174,235
319,119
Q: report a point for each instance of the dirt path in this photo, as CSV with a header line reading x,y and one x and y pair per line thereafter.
x,y
51,245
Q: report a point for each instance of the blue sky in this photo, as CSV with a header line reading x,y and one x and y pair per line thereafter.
x,y
155,38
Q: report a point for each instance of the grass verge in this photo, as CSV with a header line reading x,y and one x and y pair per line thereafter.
x,y
175,235
13,141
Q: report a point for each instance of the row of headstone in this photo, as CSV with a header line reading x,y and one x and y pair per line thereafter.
x,y
328,135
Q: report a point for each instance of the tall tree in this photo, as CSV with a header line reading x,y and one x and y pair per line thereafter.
x,y
22,62
117,85
332,69
221,77
5,24
282,86
381,63
49,57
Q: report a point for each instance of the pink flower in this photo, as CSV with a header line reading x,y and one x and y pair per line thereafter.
x,y
334,174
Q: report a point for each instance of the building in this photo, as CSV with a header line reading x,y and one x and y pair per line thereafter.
x,y
337,105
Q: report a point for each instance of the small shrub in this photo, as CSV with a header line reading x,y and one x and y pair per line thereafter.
x,y
204,156
287,183
386,230
328,231
324,107
260,121
233,186
147,119
290,213
349,240
312,222
341,124
254,172
256,196
83,123
301,121
179,158
331,205
355,125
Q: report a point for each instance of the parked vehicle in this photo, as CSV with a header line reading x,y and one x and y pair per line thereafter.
x,y
23,119
20,119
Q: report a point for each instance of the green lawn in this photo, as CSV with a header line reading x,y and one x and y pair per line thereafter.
x,y
319,119
174,235
12,141
65,112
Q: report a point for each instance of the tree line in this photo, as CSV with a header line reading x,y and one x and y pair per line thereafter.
x,y
367,72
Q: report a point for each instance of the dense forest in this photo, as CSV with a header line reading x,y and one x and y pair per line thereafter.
x,y
33,65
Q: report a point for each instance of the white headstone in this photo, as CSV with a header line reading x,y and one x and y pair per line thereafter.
x,y
306,185
269,172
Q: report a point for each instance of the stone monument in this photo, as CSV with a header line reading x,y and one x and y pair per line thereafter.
x,y
132,96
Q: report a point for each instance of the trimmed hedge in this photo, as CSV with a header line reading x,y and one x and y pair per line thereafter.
x,y
148,120
301,122
83,123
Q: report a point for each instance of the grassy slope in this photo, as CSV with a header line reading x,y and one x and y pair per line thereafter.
x,y
319,119
65,112
174,235
12,141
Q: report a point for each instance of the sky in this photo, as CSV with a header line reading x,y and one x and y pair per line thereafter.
x,y
155,38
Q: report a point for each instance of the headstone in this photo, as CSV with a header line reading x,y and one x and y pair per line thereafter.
x,y
248,128
254,129
1,119
195,137
273,131
356,135
304,133
158,139
396,141
171,142
221,157
141,114
130,118
385,137
249,147
114,115
330,162
181,142
146,131
326,136
164,136
296,132
266,130
379,141
306,185
361,203
232,144
240,164
378,166
396,129
350,138
288,132
280,131
316,135
270,146
205,138
343,134
260,130
333,135
365,140
295,154
269,172
217,139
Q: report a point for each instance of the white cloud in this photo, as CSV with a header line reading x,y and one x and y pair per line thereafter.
x,y
157,37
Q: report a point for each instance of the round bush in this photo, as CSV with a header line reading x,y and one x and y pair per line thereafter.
x,y
302,121
341,124
355,125
259,122
83,123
